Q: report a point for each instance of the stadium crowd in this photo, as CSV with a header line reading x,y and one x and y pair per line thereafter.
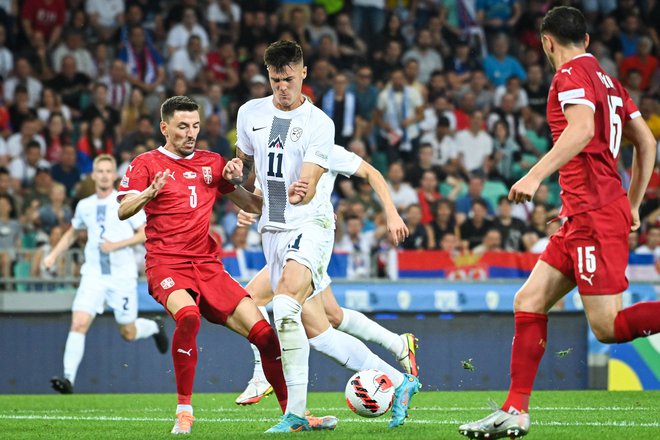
x,y
445,97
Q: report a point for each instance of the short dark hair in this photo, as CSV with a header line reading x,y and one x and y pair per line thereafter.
x,y
566,24
32,144
176,104
283,53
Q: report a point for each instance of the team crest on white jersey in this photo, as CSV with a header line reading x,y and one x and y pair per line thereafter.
x,y
296,133
189,175
167,283
208,175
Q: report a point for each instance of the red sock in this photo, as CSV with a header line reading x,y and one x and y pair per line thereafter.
x,y
529,340
264,338
184,351
637,321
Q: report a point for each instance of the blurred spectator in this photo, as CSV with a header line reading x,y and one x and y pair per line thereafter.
x,y
648,106
6,55
536,227
51,102
602,54
358,245
179,34
644,62
318,27
74,45
65,170
427,57
384,65
339,104
22,77
57,270
498,15
20,110
7,188
327,50
134,107
511,228
450,244
105,17
609,35
55,213
188,62
411,72
514,88
134,16
398,112
392,31
224,19
474,144
475,193
56,135
505,153
420,235
37,194
403,195
462,63
444,221
541,243
475,227
10,235
443,146
366,97
633,85
630,35
536,89
652,243
320,79
72,85
214,104
99,107
368,17
212,132
297,25
499,65
45,16
259,87
29,131
428,195
350,46
492,242
119,88
143,62
24,167
222,66
507,112
366,199
96,140
424,163
143,134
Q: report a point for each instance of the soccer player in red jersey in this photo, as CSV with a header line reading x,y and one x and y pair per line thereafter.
x,y
587,112
176,186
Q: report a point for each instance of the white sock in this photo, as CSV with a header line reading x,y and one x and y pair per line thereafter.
x,y
358,325
145,328
180,408
258,372
295,351
73,354
350,352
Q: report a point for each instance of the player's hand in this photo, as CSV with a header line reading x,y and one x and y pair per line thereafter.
x,y
297,192
524,189
635,220
49,261
107,247
246,219
158,183
233,171
397,229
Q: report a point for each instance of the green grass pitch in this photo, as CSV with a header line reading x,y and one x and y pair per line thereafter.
x,y
434,415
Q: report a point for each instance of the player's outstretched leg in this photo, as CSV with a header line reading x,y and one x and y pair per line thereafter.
x,y
258,386
403,395
184,356
499,424
264,338
74,350
143,328
160,337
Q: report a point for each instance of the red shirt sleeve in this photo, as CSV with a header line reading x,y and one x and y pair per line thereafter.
x,y
61,13
27,12
629,107
224,187
136,179
573,87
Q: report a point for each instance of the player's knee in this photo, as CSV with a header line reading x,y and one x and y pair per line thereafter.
x,y
603,332
527,301
335,316
80,325
188,319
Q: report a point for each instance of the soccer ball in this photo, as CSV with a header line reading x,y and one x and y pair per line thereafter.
x,y
369,393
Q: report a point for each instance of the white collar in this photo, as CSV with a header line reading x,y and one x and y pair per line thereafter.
x,y
581,55
174,156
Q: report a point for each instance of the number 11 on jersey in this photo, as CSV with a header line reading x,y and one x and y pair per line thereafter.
x,y
275,164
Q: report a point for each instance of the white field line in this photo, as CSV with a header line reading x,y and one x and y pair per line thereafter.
x,y
343,420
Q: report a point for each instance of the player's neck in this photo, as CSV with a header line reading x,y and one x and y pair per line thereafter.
x,y
567,55
292,107
103,193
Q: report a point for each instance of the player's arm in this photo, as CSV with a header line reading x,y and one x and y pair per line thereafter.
x,y
138,238
302,191
68,238
395,225
574,138
247,219
132,203
643,163
238,170
247,201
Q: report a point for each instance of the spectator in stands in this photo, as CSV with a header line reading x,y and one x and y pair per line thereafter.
x,y
36,196
20,110
350,46
539,244
72,85
96,140
537,226
633,84
318,27
222,66
365,197
475,193
390,60
55,213
143,62
474,144
444,221
443,146
609,35
648,106
9,189
403,195
499,65
320,80
630,35
506,152
633,241
492,242
428,195
411,72
105,17
133,109
351,239
652,242
399,110
10,236
29,131
427,57
368,17
420,234
45,16
511,228
602,54
212,132
224,19
56,135
23,168
188,62
366,98
259,87
99,107
327,50
22,77
51,102
119,89
643,61
74,45
65,170
424,163
479,86
498,15
339,104
474,228
536,89
462,63
507,112
514,88
6,55
179,34
214,104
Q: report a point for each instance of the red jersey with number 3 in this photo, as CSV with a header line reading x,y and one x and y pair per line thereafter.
x,y
178,219
590,180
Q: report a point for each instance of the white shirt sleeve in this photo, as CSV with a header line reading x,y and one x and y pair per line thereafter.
x,y
344,162
321,142
242,139
138,220
77,220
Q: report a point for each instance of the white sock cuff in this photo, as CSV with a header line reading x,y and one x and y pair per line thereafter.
x,y
343,325
284,305
145,328
318,341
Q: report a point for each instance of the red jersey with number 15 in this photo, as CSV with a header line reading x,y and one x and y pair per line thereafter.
x,y
178,219
590,180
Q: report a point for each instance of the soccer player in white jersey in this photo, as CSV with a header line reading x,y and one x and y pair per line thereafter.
x,y
343,348
289,141
109,273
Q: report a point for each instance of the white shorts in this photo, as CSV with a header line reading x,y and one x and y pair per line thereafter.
x,y
309,245
119,293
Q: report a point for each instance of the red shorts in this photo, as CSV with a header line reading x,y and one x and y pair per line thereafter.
x,y
591,249
216,293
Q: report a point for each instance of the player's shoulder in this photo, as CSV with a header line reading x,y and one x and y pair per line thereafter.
x,y
580,66
146,158
255,104
87,202
208,156
318,116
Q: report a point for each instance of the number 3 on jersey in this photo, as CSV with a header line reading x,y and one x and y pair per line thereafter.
x,y
275,164
193,197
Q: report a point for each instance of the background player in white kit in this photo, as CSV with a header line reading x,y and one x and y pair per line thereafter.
x,y
109,274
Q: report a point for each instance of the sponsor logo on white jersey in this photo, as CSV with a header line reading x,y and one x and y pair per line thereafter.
x,y
189,175
167,283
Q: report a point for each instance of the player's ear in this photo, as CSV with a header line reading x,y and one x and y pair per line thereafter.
x,y
304,72
163,128
587,40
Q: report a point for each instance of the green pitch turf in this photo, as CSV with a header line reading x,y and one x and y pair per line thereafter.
x,y
434,415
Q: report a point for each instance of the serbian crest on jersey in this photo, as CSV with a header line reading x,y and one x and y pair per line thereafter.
x,y
208,175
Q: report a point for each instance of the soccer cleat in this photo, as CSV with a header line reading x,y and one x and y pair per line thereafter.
x,y
60,385
290,423
183,424
402,396
498,425
256,390
162,341
409,361
321,423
